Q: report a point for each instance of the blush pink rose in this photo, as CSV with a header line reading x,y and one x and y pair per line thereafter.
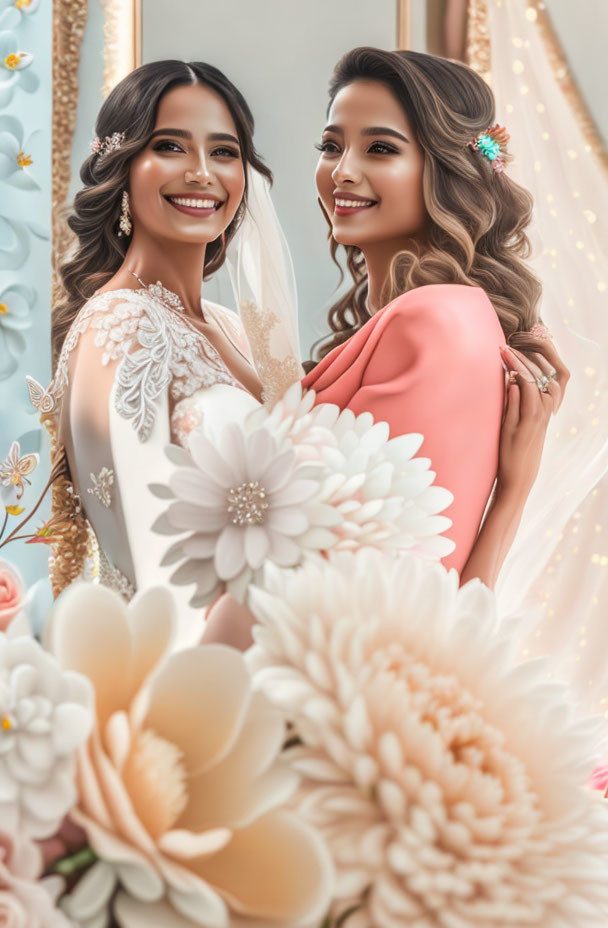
x,y
12,594
599,778
25,900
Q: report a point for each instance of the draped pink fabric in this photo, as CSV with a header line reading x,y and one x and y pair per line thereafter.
x,y
429,362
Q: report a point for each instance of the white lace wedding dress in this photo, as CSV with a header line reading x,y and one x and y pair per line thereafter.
x,y
133,376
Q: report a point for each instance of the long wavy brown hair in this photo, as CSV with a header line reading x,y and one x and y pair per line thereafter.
x,y
475,230
131,108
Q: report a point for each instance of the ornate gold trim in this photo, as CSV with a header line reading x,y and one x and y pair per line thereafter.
x,y
404,23
69,20
122,45
567,84
478,53
138,33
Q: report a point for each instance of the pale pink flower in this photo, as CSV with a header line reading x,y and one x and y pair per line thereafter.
x,y
446,776
12,594
181,785
25,900
599,778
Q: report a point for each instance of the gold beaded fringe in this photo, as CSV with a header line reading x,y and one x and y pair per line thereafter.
x,y
75,538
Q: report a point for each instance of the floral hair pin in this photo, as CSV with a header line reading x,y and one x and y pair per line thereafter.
x,y
110,143
493,145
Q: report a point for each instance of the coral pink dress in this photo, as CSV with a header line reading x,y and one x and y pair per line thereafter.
x,y
429,362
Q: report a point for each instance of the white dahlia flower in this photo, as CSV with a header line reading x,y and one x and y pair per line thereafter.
x,y
45,715
301,478
181,786
446,777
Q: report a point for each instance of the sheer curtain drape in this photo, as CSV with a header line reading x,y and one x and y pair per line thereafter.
x,y
559,563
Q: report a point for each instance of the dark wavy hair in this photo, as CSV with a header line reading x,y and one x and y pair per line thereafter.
x,y
131,108
476,219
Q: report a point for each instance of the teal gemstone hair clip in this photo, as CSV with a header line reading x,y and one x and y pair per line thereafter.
x,y
492,144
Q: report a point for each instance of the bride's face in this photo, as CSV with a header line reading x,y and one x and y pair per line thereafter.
x,y
188,182
369,175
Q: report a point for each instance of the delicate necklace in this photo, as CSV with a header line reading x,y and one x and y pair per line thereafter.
x,y
161,293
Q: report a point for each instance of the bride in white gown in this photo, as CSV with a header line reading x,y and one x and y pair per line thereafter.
x,y
136,351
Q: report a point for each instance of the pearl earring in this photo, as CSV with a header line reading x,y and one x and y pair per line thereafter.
x,y
125,224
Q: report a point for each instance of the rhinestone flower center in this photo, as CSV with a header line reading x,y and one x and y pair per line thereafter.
x,y
247,503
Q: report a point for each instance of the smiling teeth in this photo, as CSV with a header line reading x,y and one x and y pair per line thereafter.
x,y
354,203
197,204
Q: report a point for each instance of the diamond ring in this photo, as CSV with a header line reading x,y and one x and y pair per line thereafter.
x,y
543,383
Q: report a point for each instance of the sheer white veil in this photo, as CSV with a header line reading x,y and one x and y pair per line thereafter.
x,y
558,560
262,277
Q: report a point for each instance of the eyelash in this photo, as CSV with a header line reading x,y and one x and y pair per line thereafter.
x,y
225,152
164,146
387,149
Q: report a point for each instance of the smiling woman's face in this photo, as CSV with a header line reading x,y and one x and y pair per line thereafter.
x,y
370,158
188,182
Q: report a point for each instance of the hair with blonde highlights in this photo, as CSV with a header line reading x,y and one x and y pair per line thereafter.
x,y
475,232
131,108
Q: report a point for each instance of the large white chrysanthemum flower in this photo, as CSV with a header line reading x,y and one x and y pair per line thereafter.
x,y
302,478
181,787
446,777
45,715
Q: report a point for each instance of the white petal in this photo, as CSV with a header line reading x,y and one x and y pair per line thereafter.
x,y
71,727
257,545
91,894
288,521
230,552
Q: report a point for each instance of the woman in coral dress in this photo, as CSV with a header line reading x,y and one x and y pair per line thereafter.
x,y
414,188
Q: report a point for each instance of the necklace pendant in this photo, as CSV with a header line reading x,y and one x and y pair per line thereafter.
x,y
166,296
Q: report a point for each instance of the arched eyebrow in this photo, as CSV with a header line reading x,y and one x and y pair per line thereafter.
x,y
178,133
372,130
184,134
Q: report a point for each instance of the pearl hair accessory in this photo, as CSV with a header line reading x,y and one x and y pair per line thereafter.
x,y
110,143
492,144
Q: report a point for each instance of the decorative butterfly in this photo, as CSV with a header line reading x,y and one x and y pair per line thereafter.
x,y
43,400
14,470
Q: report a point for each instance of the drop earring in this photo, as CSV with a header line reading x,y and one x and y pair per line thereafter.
x,y
125,224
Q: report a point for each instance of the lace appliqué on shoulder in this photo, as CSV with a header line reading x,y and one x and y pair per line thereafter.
x,y
276,374
156,348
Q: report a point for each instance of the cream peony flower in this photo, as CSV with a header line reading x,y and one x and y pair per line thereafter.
x,y
25,900
180,785
446,778
296,480
45,715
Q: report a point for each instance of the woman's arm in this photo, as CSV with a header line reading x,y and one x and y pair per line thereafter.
x,y
525,423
